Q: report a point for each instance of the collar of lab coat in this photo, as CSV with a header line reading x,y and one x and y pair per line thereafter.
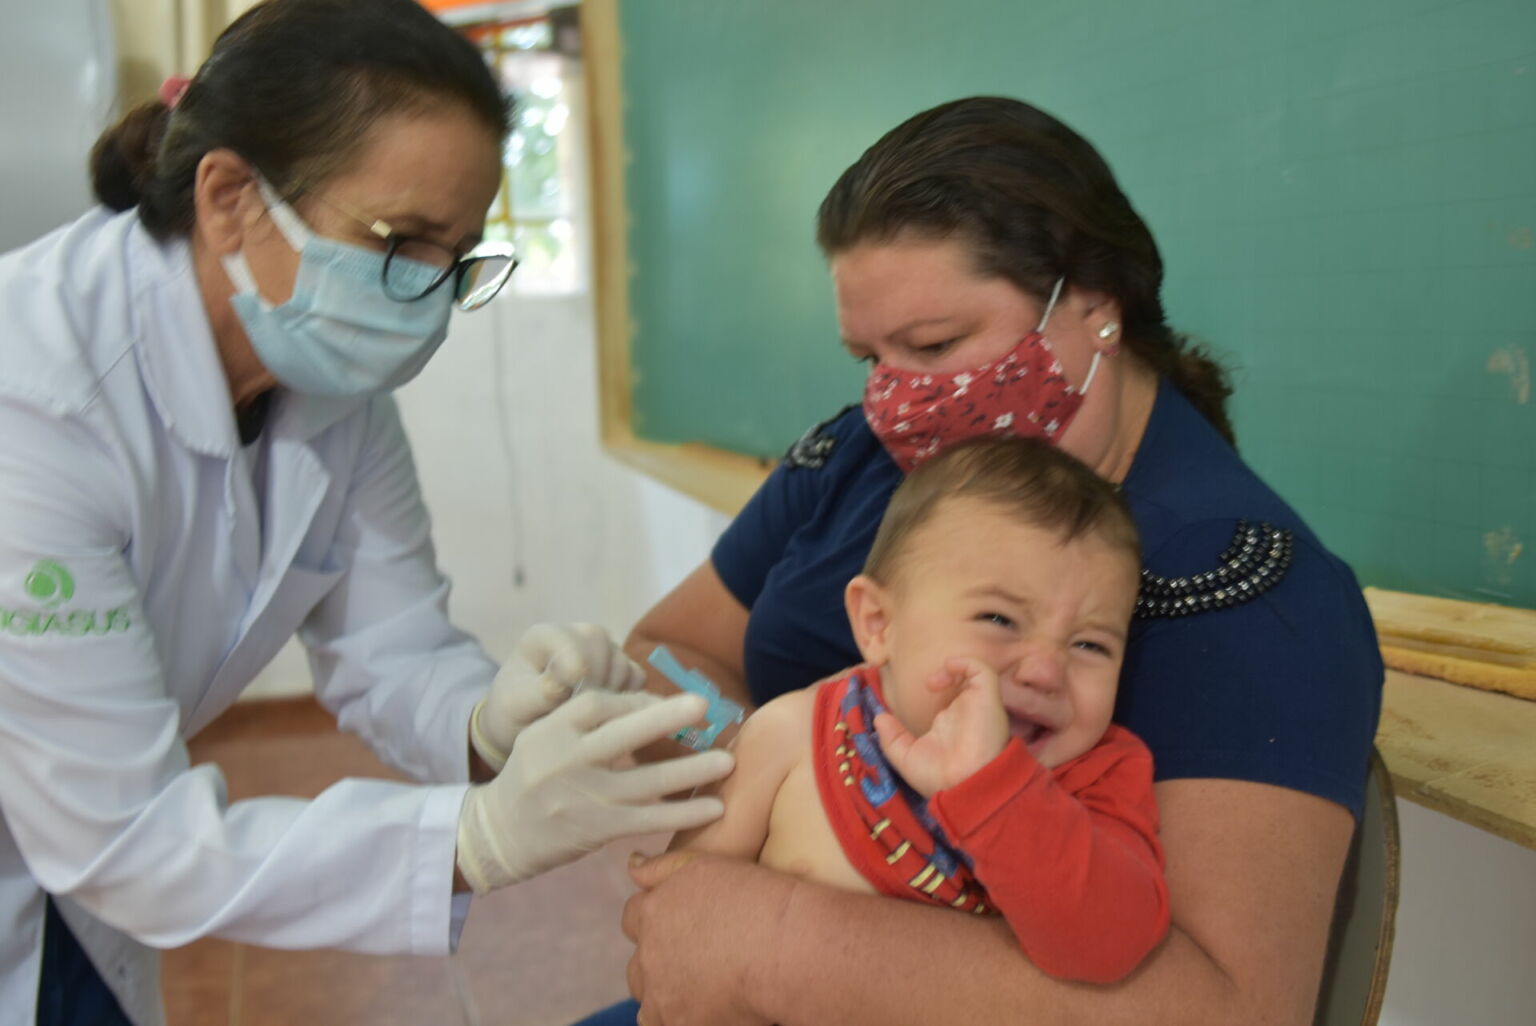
x,y
179,359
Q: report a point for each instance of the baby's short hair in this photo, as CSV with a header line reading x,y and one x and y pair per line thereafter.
x,y
1023,477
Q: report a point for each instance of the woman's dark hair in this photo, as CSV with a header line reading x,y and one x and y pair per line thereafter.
x,y
292,86
1028,479
1034,202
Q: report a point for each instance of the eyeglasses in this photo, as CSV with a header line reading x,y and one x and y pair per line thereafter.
x,y
477,275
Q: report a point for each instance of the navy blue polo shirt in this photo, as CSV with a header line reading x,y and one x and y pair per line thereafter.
x,y
1283,689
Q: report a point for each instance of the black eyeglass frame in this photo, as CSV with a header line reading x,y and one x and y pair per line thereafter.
x,y
457,269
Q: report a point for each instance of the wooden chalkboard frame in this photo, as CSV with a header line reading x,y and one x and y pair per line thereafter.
x,y
718,478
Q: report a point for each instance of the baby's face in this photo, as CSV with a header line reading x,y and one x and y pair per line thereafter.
x,y
1048,617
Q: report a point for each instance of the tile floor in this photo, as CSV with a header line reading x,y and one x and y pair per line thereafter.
x,y
543,953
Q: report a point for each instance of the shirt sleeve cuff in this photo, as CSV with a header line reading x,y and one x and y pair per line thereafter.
x,y
437,916
464,708
964,808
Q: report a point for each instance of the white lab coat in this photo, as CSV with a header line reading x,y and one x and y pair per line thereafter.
x,y
149,567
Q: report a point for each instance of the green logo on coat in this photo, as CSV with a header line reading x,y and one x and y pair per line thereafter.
x,y
50,585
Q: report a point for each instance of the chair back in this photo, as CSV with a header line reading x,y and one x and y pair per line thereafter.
x,y
1360,945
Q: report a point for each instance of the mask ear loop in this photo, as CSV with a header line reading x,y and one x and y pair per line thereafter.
x,y
240,275
1093,368
288,221
292,228
1093,365
1051,303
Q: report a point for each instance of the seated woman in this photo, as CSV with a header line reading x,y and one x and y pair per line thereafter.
x,y
1251,669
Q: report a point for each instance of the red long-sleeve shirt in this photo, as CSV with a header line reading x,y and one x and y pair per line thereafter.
x,y
1070,856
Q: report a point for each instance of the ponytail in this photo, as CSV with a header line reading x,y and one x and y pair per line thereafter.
x,y
123,159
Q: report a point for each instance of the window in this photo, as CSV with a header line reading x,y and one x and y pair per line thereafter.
x,y
538,207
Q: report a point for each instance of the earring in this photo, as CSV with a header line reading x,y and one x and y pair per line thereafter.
x,y
1106,333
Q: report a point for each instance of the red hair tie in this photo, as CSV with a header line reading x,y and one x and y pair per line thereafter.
x,y
173,89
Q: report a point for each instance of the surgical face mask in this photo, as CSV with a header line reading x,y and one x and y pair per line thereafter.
x,y
1022,394
339,334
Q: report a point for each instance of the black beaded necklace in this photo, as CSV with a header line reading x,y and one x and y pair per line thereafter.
x,y
1255,561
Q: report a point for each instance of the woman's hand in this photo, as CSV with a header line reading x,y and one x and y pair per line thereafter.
x,y
703,927
967,734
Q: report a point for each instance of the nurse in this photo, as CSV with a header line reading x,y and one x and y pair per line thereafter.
x,y
200,459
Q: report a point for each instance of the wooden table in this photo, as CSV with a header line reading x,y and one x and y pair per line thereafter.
x,y
1468,753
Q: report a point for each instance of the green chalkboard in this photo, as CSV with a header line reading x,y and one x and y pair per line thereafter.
x,y
1344,191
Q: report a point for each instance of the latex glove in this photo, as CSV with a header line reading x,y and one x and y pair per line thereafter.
x,y
549,662
965,735
560,796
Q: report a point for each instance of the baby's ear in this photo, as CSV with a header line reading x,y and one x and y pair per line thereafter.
x,y
869,613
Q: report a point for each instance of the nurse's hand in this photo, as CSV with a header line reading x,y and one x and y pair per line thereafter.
x,y
560,794
551,659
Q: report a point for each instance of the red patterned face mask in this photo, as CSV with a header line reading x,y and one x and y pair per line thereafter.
x,y
1023,394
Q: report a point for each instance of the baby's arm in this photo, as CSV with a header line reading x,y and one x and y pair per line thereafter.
x,y
1071,857
765,749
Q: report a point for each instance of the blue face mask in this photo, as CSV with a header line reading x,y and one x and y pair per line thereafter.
x,y
339,334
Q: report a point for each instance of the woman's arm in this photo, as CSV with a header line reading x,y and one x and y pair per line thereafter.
x,y
1252,873
703,625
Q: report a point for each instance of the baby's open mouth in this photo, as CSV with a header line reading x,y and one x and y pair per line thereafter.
x,y
1032,732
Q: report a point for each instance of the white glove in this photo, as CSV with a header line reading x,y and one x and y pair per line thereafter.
x,y
559,795
549,662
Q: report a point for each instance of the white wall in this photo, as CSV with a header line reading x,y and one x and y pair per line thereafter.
x,y
156,38
58,76
1466,927
504,426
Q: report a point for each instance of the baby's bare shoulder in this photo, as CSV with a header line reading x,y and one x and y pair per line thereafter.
x,y
776,732
791,710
